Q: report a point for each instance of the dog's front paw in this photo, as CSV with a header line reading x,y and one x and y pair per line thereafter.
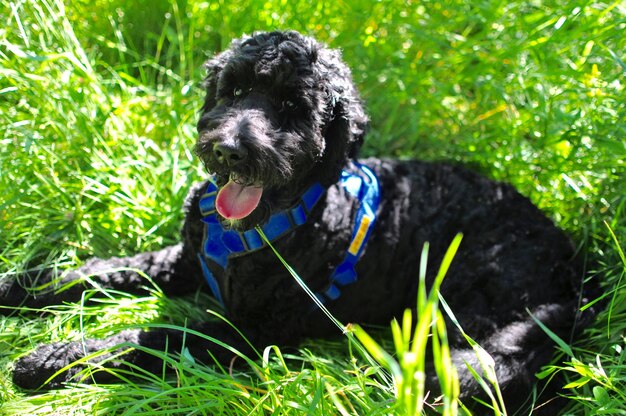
x,y
38,289
51,365
40,368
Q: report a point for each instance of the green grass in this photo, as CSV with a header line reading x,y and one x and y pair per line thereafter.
x,y
98,102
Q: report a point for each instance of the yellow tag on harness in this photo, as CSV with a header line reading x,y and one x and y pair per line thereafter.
x,y
360,235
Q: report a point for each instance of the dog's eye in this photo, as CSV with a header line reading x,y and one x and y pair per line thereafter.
x,y
288,105
237,92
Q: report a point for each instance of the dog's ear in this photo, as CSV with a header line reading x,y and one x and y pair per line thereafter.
x,y
349,123
213,68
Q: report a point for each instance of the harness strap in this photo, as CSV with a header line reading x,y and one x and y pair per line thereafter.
x,y
221,244
367,191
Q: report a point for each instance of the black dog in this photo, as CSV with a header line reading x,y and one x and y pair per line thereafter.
x,y
280,129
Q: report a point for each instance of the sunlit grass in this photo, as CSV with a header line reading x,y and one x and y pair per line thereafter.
x,y
410,343
98,102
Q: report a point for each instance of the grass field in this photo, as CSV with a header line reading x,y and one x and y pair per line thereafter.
x,y
98,101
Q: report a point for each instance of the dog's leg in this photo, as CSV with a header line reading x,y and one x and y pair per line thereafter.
x,y
124,351
518,351
169,268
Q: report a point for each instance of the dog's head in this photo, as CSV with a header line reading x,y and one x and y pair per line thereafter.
x,y
280,114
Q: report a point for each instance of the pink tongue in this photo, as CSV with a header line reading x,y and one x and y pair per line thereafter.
x,y
235,201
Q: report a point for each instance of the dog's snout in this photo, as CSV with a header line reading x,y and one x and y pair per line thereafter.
x,y
231,154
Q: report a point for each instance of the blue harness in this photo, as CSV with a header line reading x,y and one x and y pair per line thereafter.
x,y
221,244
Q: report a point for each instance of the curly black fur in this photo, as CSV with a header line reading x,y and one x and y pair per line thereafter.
x,y
291,103
281,112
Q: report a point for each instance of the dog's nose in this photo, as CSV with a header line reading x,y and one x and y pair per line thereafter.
x,y
229,153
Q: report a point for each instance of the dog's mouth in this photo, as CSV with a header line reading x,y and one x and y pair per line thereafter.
x,y
238,199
